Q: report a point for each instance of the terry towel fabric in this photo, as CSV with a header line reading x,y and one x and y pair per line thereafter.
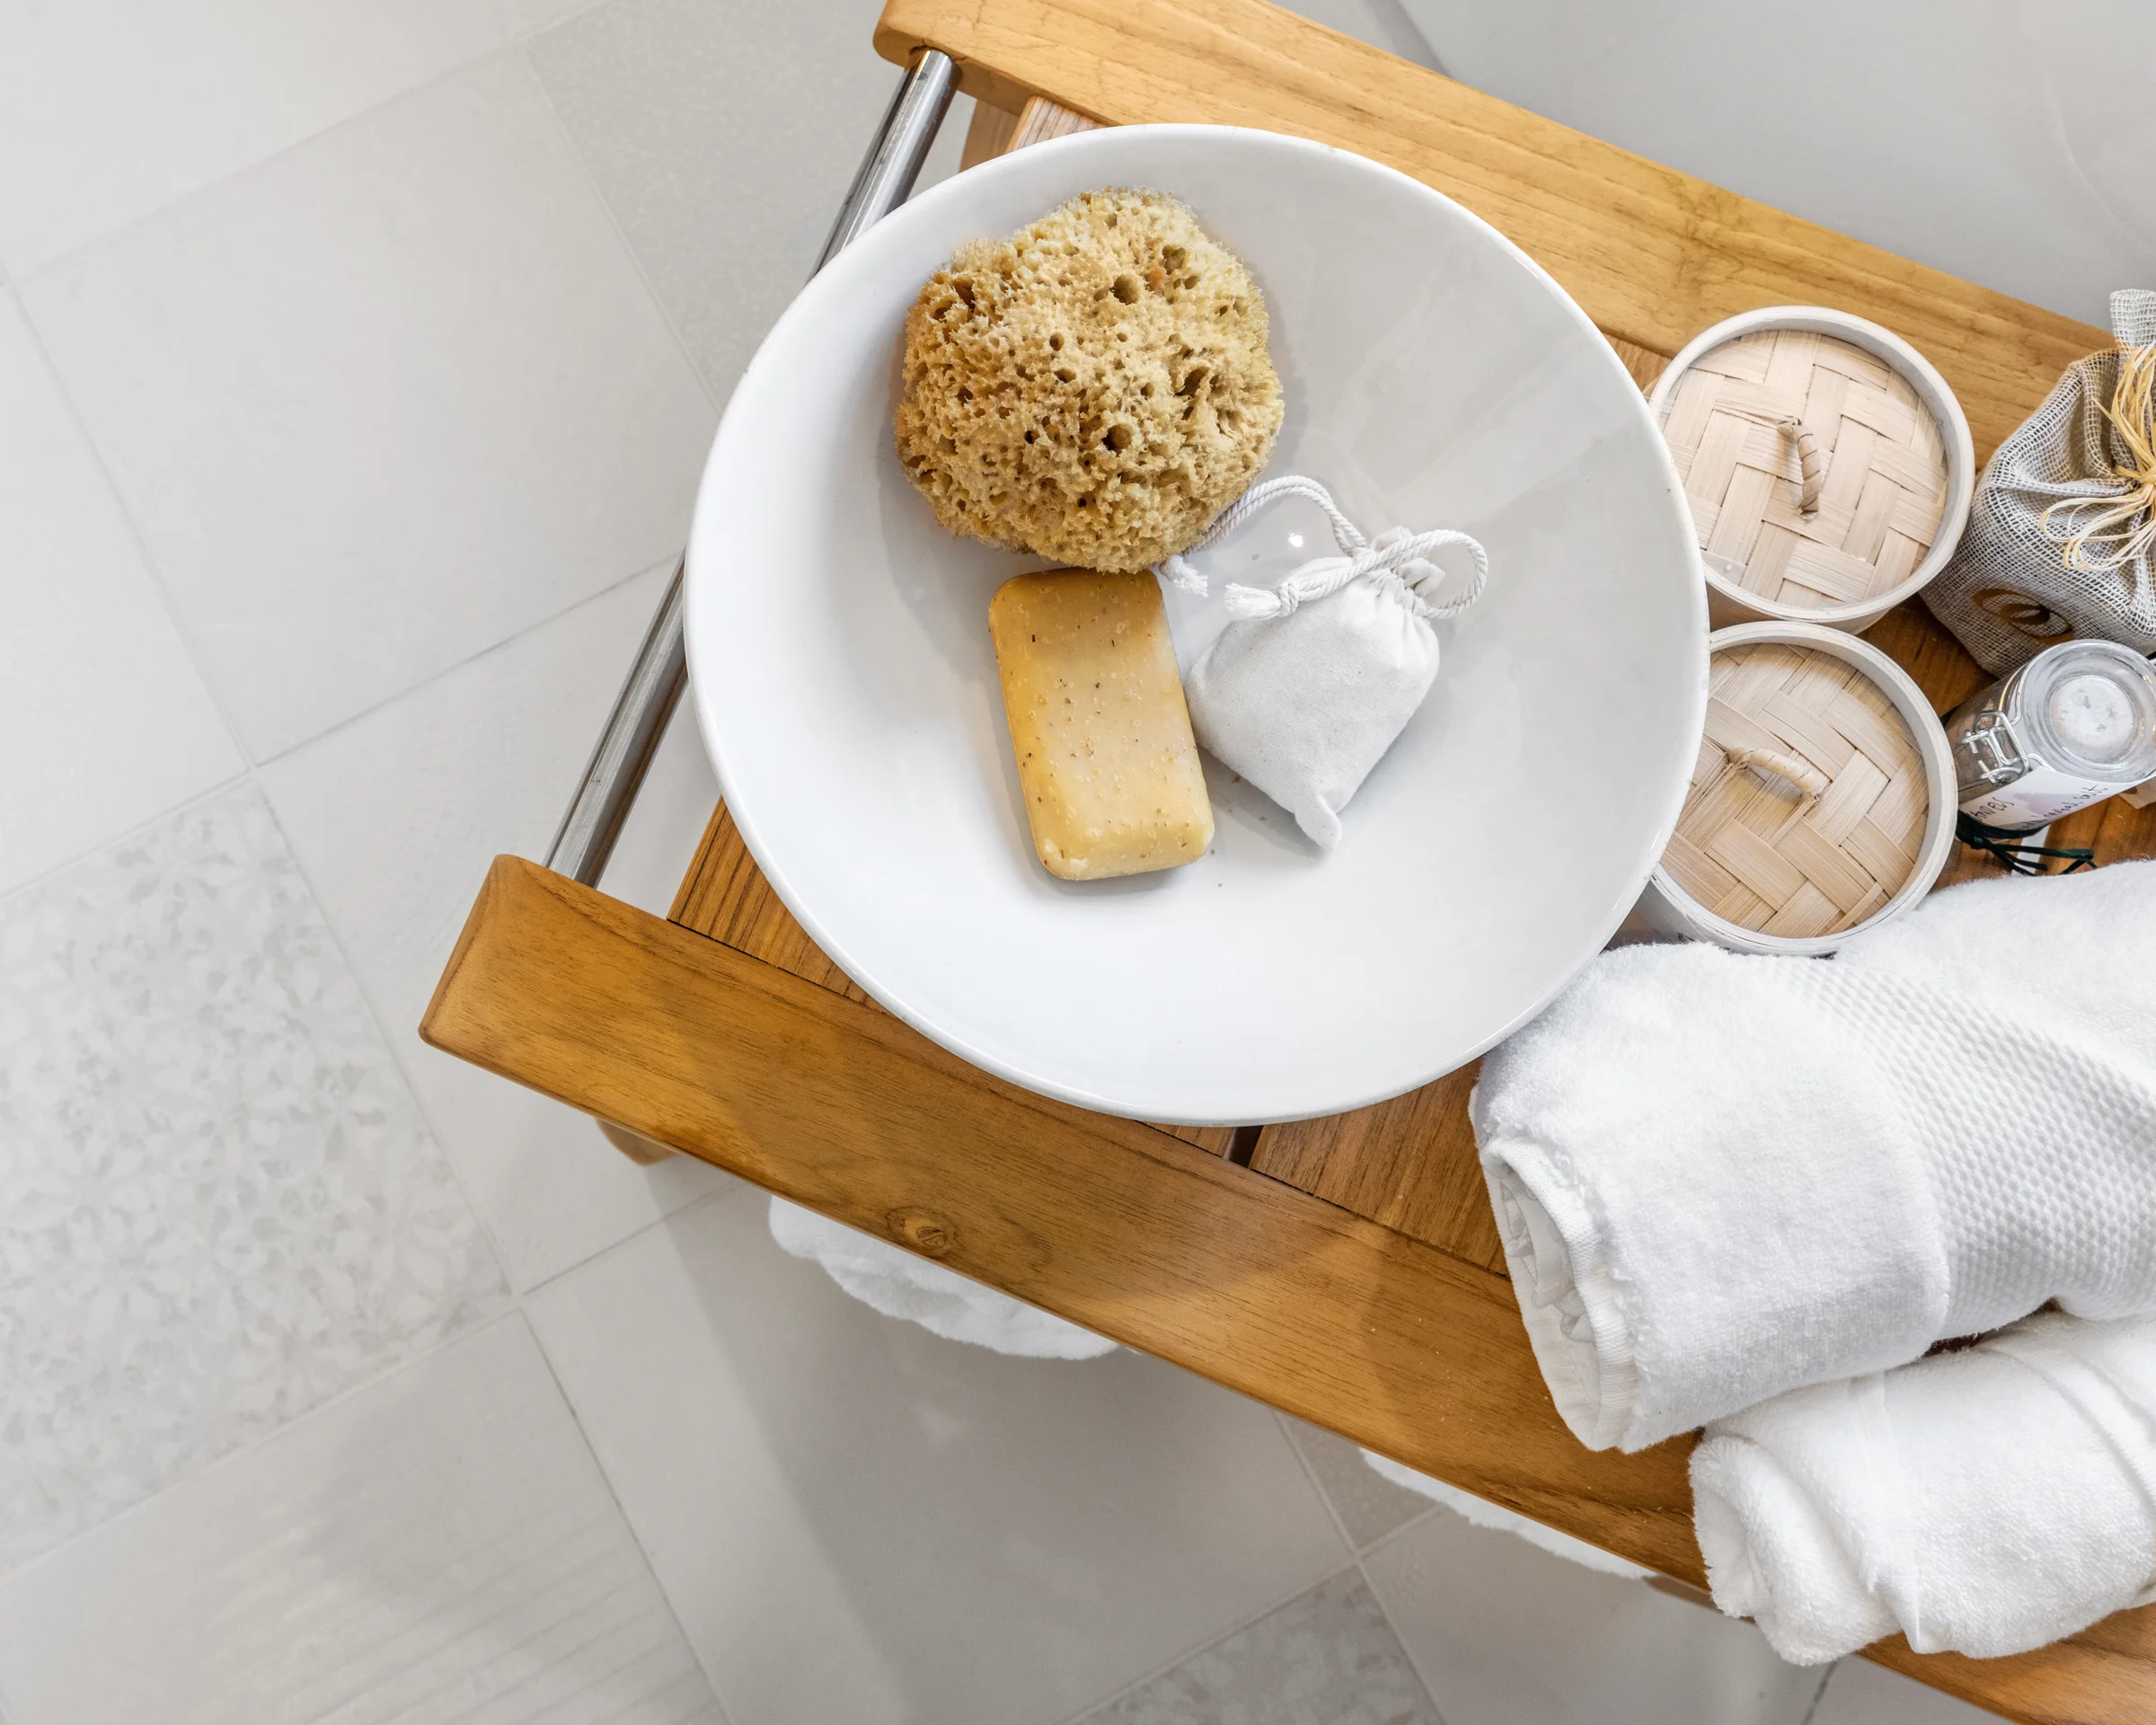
x,y
1984,1502
1720,1177
900,1285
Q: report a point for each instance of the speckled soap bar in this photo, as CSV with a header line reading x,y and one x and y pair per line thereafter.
x,y
1105,756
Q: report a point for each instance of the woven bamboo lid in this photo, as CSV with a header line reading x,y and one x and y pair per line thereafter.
x,y
1808,799
1752,419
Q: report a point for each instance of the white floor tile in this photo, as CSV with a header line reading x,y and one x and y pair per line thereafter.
x,y
218,1204
858,1521
381,403
111,109
1860,1693
108,720
1503,1632
395,819
727,201
723,137
1369,1504
1328,1658
440,1546
525,16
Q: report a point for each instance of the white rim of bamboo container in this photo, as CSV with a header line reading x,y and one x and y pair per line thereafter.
x,y
1930,389
1693,918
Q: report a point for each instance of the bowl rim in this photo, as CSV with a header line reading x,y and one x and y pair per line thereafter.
x,y
704,626
1929,385
1910,702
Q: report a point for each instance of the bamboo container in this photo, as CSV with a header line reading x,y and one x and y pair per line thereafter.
x,y
1822,803
1827,465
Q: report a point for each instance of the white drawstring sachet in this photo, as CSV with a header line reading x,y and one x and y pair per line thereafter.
x,y
1308,686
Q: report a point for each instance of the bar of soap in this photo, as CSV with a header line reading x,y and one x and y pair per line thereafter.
x,y
1105,754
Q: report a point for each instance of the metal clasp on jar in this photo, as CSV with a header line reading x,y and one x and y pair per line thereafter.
x,y
1987,753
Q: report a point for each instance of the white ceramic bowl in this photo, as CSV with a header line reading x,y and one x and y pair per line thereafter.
x,y
848,693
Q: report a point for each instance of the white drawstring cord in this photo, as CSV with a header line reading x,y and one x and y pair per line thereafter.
x,y
1396,559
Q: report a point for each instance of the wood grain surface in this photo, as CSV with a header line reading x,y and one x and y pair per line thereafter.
x,y
725,897
1653,255
1351,1273
1118,1226
1354,1326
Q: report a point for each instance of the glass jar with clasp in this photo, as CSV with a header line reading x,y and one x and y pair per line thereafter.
x,y
2074,725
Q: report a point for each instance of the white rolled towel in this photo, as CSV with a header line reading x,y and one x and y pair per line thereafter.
x,y
900,1284
1984,1502
1721,1177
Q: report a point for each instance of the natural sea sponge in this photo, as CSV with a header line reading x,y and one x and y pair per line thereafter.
x,y
1095,388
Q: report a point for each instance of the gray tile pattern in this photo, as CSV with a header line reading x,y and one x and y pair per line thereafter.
x,y
395,819
1503,1632
863,1523
1328,1656
218,1203
1369,1504
437,1549
219,1206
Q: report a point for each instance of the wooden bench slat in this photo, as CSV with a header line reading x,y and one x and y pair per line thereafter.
x,y
1351,1273
725,897
1115,1226
1654,256
1353,1326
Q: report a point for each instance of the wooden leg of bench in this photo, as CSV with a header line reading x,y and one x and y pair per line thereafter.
x,y
988,136
635,1146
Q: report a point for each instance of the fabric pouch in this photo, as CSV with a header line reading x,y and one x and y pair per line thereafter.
x,y
1305,690
2062,536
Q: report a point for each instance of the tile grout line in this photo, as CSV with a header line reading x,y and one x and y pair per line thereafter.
x,y
128,835
509,44
521,47
614,1246
30,1565
1819,1695
526,32
612,586
1357,1550
613,1496
1339,1523
1354,1562
518,1297
378,1019
1392,1534
1237,1627
505,43
376,1016
249,773
513,1298
1385,1611
136,535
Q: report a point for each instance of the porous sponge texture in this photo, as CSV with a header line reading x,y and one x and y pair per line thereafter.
x,y
1096,388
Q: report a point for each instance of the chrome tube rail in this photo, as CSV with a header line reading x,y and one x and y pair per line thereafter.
x,y
615,772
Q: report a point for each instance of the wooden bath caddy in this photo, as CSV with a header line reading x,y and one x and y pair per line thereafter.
x,y
1345,1270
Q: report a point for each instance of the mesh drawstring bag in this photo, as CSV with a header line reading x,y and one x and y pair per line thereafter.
x,y
2062,533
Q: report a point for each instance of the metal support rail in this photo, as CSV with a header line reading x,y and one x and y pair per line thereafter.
x,y
615,772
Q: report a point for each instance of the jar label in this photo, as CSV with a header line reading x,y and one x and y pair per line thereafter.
x,y
2036,799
